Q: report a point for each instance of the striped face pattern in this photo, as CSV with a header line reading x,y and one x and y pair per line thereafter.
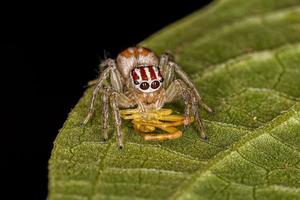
x,y
147,78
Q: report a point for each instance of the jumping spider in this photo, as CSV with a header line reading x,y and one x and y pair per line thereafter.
x,y
138,78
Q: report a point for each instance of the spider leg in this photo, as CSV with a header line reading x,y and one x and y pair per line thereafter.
x,y
169,67
190,101
117,118
105,113
198,118
110,84
116,82
166,69
177,88
188,81
102,66
117,100
104,75
92,82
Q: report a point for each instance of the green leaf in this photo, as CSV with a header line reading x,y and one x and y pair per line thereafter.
x,y
244,57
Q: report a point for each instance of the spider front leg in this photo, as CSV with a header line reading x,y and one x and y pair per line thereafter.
x,y
111,71
179,88
117,100
103,76
117,118
105,113
170,68
188,81
198,118
111,93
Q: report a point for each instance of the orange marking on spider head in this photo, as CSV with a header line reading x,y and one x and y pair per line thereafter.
x,y
144,51
133,57
126,53
136,52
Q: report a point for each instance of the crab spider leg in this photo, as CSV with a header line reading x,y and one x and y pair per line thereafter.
x,y
128,112
171,118
159,124
173,133
144,124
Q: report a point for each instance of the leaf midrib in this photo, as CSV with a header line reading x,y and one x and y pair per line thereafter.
x,y
235,146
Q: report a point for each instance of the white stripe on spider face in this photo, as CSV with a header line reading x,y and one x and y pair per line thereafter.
x,y
143,82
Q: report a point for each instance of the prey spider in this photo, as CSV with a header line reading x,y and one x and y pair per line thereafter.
x,y
142,83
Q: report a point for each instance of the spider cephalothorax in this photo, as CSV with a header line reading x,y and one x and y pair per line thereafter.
x,y
142,83
146,78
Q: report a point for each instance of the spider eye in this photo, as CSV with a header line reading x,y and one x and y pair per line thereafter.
x,y
135,82
155,84
144,85
162,79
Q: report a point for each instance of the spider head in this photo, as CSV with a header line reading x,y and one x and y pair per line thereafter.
x,y
146,78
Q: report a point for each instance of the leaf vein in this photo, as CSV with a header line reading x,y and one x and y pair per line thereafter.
x,y
222,155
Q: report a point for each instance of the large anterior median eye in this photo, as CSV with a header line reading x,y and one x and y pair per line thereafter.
x,y
155,84
144,85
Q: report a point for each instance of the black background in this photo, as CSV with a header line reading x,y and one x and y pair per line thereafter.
x,y
48,53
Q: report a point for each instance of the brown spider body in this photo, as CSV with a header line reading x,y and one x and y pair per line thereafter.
x,y
138,78
133,57
135,61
